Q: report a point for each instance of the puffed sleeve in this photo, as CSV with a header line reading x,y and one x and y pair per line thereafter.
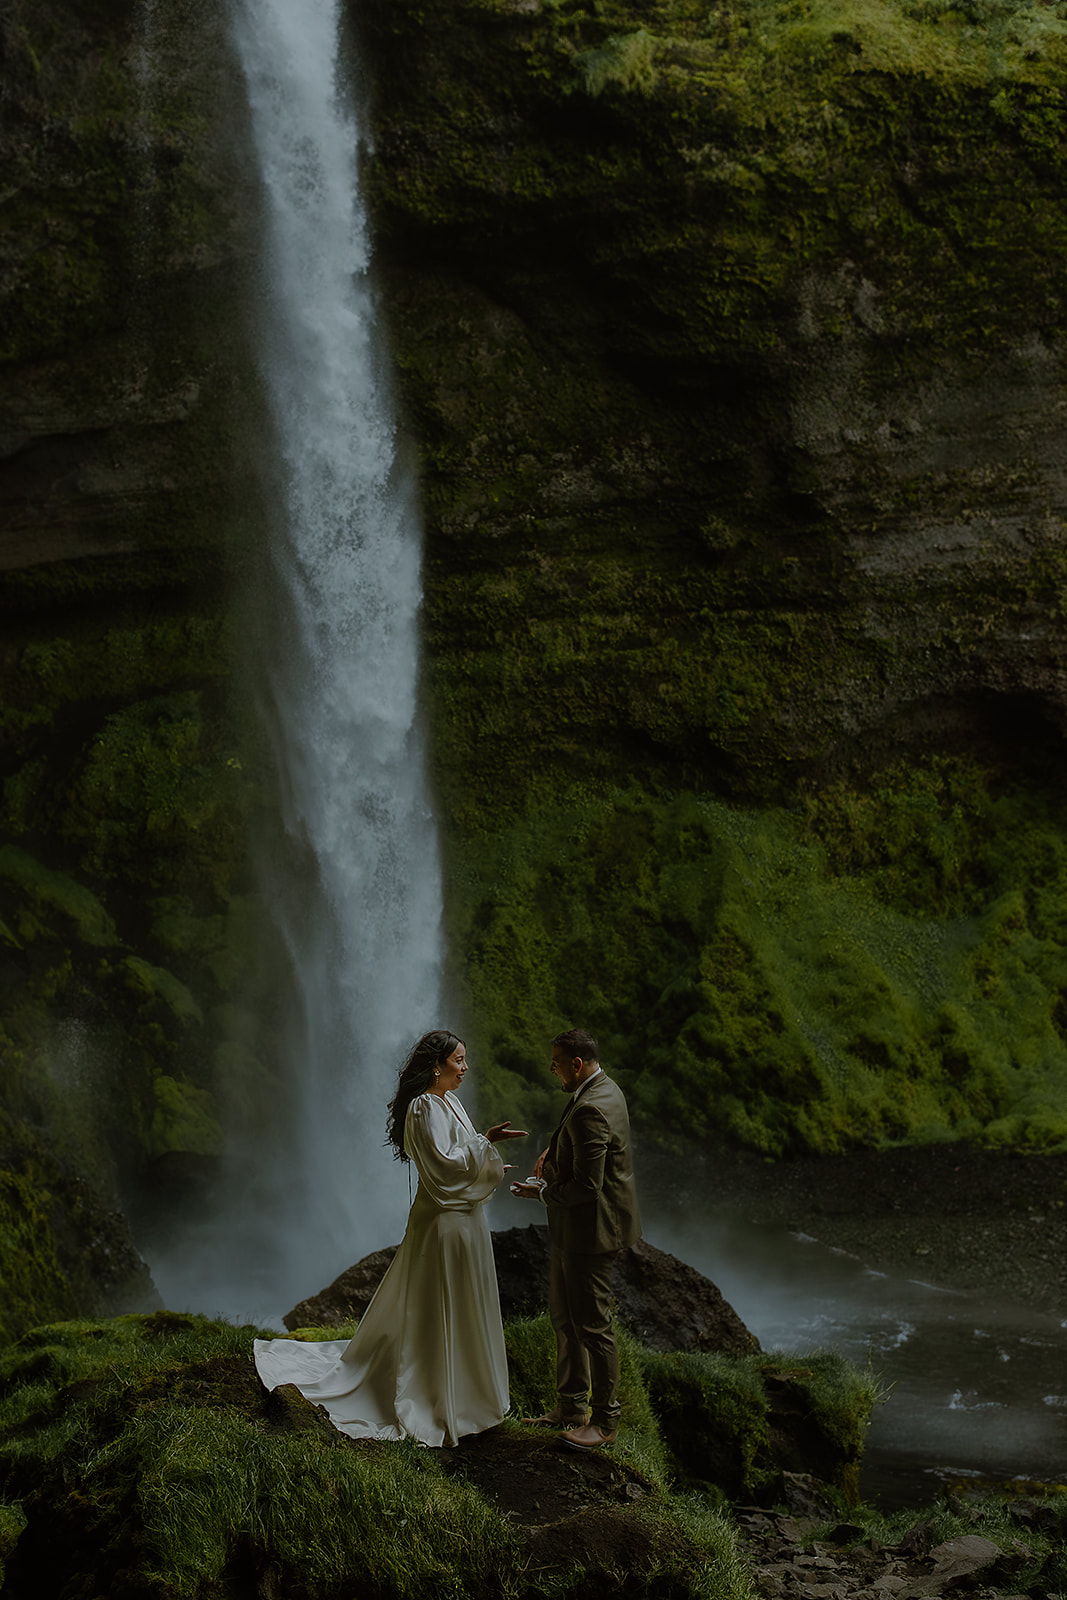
x,y
457,1167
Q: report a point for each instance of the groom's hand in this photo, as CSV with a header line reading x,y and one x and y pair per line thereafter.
x,y
504,1130
539,1163
526,1191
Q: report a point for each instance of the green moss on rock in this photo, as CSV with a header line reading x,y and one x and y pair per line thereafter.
x,y
739,1422
46,893
749,989
34,1285
185,1118
731,342
62,1252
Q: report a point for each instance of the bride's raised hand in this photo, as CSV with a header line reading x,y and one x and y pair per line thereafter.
x,y
504,1130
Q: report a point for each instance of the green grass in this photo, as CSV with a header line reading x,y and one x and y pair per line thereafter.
x,y
531,1347
143,1450
146,1445
205,1482
717,1413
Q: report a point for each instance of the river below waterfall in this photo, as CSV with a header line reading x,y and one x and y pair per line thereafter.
x,y
978,1387
977,1384
942,1265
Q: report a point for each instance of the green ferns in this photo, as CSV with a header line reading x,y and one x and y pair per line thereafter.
x,y
626,60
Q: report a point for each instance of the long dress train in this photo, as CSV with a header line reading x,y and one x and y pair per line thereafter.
x,y
427,1360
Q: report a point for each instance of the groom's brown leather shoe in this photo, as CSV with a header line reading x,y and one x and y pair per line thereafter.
x,y
589,1437
556,1418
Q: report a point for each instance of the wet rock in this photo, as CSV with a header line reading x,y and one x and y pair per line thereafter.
x,y
291,1412
521,1256
805,1496
671,1306
958,1559
918,1539
665,1302
346,1298
1039,1514
784,1567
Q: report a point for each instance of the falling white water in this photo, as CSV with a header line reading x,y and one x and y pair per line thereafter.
x,y
361,907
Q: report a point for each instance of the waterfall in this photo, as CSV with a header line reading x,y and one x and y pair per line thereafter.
x,y
360,901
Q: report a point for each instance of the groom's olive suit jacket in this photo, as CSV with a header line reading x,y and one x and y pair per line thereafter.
x,y
590,1193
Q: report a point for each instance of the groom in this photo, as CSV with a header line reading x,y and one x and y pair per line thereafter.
x,y
586,1181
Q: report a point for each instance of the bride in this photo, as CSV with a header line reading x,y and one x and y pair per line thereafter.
x,y
427,1360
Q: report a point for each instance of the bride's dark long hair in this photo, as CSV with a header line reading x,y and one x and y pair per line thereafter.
x,y
416,1076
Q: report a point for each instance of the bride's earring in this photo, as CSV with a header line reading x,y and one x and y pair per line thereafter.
x,y
437,1072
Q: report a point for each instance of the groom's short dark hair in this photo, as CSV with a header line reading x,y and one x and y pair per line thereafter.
x,y
576,1042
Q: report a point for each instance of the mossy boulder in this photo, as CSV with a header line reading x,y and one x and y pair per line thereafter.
x,y
741,1423
61,1249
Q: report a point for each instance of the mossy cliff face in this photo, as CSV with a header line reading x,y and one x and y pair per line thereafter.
x,y
730,346
129,780
732,341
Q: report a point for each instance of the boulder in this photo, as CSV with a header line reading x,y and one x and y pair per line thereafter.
x,y
346,1298
667,1304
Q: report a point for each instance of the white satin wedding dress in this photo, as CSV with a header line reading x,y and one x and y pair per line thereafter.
x,y
427,1360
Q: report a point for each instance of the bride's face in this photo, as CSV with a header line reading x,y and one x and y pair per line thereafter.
x,y
453,1069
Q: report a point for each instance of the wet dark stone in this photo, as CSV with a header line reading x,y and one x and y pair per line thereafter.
x,y
667,1304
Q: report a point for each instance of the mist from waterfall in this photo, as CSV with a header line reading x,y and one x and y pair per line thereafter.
x,y
359,897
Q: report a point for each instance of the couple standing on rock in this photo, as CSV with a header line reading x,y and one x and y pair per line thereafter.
x,y
427,1360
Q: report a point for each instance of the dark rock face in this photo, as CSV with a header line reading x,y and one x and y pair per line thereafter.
x,y
126,904
346,1298
769,425
665,1303
742,465
671,1306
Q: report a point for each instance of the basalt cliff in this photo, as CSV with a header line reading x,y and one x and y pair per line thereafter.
x,y
729,344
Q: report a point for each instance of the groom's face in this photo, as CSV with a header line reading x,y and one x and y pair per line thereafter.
x,y
566,1068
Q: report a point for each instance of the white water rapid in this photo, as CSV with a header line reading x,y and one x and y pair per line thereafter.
x,y
360,901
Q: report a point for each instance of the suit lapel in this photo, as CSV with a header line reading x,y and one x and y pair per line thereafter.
x,y
567,1109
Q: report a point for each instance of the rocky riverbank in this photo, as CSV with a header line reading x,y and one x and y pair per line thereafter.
x,y
933,1556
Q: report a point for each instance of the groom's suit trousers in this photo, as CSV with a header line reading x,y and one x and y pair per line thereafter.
x,y
587,1363
592,1217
